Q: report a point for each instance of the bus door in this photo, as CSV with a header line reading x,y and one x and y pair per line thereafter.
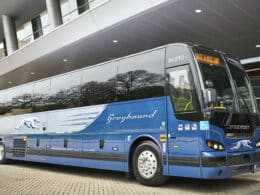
x,y
183,118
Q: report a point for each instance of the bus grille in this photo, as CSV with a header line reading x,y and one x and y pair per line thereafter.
x,y
19,148
238,160
245,168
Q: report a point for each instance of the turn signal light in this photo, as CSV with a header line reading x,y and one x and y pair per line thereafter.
x,y
215,145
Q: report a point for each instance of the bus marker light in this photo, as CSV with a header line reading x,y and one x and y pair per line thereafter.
x,y
115,148
163,138
164,147
176,147
258,144
24,138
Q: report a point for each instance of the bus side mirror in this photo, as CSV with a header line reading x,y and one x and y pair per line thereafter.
x,y
210,95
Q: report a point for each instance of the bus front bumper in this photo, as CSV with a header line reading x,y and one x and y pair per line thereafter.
x,y
219,166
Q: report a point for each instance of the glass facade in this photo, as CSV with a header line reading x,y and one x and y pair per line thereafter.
x,y
25,34
71,9
37,27
95,3
45,22
68,10
83,5
40,25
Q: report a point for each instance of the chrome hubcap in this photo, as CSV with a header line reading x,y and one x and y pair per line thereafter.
x,y
147,164
2,152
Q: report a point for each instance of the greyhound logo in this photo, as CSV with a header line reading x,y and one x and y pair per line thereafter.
x,y
244,143
31,123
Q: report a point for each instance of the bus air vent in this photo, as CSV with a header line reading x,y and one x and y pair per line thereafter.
x,y
19,148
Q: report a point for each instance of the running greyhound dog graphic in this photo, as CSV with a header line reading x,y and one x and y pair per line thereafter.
x,y
31,123
244,143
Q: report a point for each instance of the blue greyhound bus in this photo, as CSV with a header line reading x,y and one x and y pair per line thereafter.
x,y
177,110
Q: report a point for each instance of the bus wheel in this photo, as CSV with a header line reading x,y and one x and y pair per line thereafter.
x,y
2,154
147,164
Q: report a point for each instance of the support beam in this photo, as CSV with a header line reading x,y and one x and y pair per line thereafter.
x,y
54,12
10,34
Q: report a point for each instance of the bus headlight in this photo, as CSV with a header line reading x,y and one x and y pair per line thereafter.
x,y
257,144
215,145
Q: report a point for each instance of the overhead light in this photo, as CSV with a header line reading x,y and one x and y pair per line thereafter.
x,y
198,11
65,60
10,82
32,73
115,41
258,46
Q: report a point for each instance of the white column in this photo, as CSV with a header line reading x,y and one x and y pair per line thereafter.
x,y
10,34
54,12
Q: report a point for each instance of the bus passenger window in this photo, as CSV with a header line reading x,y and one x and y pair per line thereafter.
x,y
141,76
40,95
22,99
65,91
6,102
180,89
98,85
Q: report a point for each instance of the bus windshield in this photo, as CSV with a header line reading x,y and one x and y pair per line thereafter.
x,y
243,88
215,75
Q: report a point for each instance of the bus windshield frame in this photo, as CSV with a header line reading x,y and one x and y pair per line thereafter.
x,y
218,73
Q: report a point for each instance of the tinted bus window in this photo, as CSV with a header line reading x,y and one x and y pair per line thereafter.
x,y
41,95
141,76
98,85
6,102
65,91
181,89
22,99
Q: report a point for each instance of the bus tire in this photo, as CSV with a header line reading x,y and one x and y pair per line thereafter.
x,y
147,164
2,154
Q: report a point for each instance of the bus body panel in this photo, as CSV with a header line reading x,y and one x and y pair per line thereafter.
x,y
102,144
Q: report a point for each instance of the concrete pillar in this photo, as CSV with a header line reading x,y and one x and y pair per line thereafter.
x,y
10,34
54,12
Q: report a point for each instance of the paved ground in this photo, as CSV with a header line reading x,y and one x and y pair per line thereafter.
x,y
30,178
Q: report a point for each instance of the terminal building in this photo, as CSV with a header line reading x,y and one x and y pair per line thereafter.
x,y
32,31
